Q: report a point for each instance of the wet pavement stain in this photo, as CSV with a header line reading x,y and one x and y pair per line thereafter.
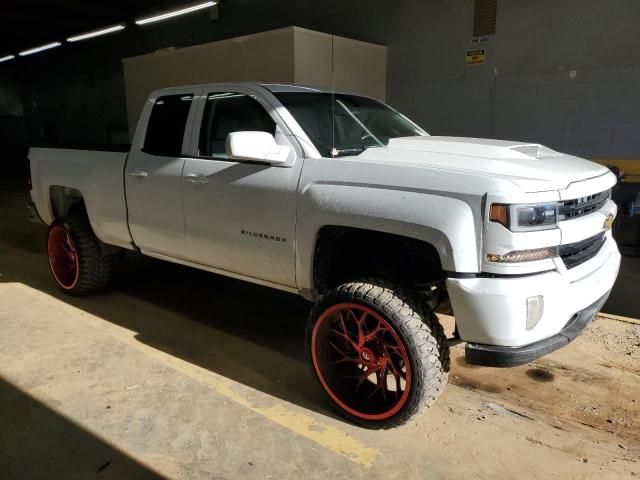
x,y
540,375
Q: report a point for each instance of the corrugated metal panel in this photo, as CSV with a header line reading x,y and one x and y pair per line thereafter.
x,y
484,17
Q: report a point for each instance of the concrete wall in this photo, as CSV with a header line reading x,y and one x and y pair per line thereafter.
x,y
559,73
524,91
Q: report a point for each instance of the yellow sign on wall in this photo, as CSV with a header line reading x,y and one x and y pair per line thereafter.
x,y
475,57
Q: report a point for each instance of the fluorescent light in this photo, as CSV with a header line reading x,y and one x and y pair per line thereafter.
x,y
96,33
40,49
175,13
7,58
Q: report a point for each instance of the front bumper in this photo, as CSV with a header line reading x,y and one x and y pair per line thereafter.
x,y
498,356
493,311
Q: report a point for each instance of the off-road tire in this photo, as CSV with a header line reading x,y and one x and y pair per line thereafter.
x,y
94,268
418,328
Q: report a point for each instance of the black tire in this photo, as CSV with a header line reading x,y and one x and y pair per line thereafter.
x,y
416,326
93,268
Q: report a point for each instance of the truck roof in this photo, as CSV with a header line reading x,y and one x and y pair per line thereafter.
x,y
292,87
272,87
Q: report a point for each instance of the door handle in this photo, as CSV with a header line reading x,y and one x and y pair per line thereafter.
x,y
196,178
139,173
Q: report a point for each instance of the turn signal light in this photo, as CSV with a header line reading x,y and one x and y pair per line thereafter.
x,y
519,256
499,213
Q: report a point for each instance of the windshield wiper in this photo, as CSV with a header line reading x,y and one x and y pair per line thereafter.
x,y
359,122
342,152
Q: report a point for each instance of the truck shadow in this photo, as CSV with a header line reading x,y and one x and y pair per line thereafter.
x,y
250,334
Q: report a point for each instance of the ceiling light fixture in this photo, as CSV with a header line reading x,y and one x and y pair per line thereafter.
x,y
7,58
97,33
175,13
40,49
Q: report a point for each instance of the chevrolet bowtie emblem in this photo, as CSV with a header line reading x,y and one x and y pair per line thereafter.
x,y
608,222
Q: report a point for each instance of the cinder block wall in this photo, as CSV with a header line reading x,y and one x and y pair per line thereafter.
x,y
565,74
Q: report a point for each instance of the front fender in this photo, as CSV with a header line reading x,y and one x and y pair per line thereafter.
x,y
446,223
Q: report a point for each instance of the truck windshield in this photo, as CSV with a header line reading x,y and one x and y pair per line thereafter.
x,y
358,122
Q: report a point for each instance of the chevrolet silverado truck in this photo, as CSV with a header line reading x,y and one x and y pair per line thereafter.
x,y
345,201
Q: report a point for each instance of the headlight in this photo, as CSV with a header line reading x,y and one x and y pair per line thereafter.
x,y
519,218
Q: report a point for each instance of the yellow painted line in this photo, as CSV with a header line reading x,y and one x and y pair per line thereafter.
x,y
327,436
619,318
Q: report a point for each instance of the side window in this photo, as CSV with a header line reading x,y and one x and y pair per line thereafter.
x,y
167,122
225,113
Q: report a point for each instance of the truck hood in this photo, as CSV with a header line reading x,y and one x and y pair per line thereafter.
x,y
532,166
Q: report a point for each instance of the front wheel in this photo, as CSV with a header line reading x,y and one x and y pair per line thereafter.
x,y
379,355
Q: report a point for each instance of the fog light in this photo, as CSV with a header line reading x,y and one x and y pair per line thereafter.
x,y
535,309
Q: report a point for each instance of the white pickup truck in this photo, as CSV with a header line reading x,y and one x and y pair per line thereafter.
x,y
343,200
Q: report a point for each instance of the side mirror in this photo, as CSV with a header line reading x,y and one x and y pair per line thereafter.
x,y
257,147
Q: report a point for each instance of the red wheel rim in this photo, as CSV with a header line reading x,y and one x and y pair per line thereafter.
x,y
63,257
361,361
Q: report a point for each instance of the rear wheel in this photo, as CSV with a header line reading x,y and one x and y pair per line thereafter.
x,y
75,257
379,355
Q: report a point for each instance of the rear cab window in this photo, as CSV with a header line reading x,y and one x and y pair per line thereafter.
x,y
167,122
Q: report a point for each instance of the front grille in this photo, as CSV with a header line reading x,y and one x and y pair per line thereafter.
x,y
582,206
574,254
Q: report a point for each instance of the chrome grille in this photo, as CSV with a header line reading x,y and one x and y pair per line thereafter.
x,y
578,207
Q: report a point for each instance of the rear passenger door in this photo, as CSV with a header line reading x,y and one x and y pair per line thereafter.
x,y
240,216
153,176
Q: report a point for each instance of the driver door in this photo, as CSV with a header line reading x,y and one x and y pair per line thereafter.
x,y
240,216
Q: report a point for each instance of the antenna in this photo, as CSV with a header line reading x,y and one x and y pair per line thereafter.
x,y
334,151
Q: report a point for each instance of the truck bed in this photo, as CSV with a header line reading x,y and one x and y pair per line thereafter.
x,y
96,175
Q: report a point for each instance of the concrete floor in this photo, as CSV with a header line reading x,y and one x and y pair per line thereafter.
x,y
177,373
